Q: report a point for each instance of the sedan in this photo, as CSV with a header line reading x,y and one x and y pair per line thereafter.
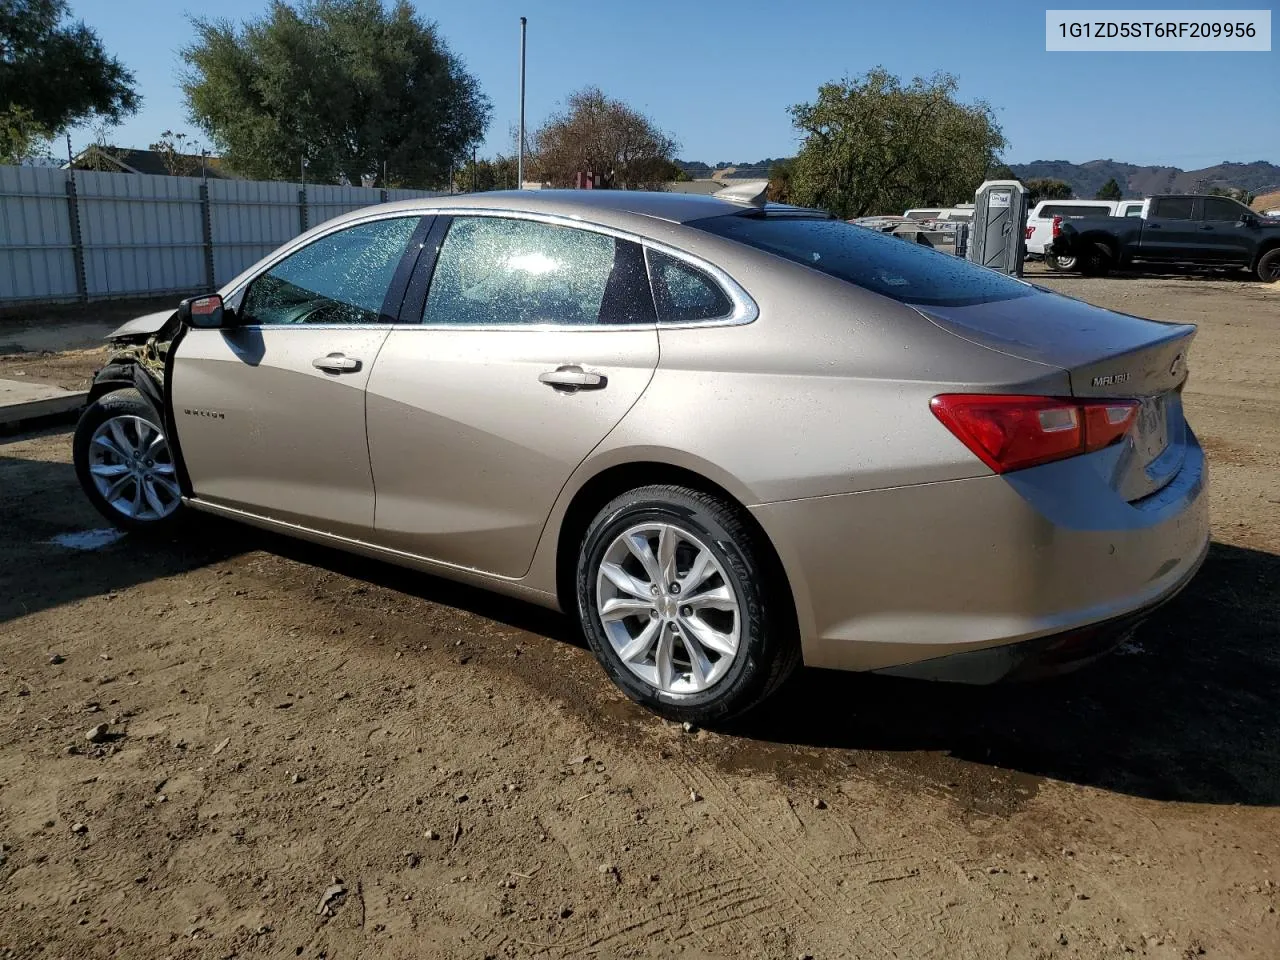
x,y
726,436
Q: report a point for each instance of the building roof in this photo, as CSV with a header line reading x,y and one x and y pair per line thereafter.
x,y
129,160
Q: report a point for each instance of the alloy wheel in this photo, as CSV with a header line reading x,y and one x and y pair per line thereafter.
x,y
668,608
132,468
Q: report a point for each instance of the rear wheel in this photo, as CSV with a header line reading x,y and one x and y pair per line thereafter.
x,y
125,464
1096,261
1268,269
675,598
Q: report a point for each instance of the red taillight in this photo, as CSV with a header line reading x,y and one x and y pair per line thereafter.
x,y
1057,227
1012,432
1030,231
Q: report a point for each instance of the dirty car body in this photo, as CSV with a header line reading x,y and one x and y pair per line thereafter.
x,y
841,447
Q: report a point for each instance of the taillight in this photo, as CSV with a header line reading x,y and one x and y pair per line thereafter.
x,y
1057,227
1012,432
1030,231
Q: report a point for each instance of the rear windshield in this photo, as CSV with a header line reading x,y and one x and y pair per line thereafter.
x,y
882,263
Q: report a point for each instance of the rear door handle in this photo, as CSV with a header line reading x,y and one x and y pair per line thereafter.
x,y
1205,226
336,363
570,378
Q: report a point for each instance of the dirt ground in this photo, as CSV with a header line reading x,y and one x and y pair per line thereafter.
x,y
314,755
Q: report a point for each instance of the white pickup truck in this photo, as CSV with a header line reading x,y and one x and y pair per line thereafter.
x,y
1040,222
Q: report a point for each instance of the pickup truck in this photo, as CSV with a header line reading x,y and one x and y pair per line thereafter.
x,y
1041,218
1198,230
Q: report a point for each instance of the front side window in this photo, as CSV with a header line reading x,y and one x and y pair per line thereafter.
x,y
1220,208
1174,208
684,293
341,278
881,263
508,272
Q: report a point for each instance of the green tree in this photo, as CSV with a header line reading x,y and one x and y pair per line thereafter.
x,y
875,145
605,137
1045,188
1110,191
347,84
496,174
54,73
780,181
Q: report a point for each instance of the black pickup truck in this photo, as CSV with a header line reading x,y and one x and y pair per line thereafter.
x,y
1205,231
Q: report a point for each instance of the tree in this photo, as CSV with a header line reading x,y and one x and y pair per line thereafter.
x,y
54,74
872,144
496,174
346,84
1045,188
1110,191
601,136
780,181
180,154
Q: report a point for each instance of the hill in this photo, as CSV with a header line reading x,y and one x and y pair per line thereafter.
x,y
1086,179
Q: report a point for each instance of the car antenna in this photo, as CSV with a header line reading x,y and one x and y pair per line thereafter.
x,y
752,193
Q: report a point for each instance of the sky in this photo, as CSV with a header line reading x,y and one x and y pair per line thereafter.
x,y
720,77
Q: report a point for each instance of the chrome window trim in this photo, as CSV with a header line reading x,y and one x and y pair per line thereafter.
x,y
744,310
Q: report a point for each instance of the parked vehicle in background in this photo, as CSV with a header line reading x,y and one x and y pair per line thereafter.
x,y
725,436
1188,229
1041,219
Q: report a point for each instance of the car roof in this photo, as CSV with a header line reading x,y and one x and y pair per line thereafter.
x,y
610,207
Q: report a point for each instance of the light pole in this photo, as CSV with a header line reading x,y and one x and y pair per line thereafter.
x,y
520,147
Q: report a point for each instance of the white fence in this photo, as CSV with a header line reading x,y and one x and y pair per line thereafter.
x,y
103,235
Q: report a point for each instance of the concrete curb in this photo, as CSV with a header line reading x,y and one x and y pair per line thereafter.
x,y
24,405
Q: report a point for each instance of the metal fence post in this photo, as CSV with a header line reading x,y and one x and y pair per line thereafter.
x,y
302,210
206,222
383,195
77,243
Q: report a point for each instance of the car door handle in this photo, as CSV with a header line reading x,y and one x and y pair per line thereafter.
x,y
336,363
1205,226
570,378
1153,226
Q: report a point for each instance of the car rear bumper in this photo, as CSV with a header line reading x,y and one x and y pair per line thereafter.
x,y
1049,560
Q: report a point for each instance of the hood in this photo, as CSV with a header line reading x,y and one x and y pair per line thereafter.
x,y
143,326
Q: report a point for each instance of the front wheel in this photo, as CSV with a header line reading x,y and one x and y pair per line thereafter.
x,y
1060,264
125,464
1268,269
676,599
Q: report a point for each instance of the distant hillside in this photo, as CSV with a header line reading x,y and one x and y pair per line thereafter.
x,y
1086,179
697,170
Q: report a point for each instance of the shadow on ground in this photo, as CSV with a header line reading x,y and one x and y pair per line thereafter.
x,y
1190,710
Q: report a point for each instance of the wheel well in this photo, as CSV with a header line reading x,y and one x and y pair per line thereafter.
x,y
607,484
1264,248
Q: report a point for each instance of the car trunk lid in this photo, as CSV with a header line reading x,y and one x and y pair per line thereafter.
x,y
1106,355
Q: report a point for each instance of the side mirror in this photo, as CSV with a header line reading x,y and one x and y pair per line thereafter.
x,y
1248,219
202,312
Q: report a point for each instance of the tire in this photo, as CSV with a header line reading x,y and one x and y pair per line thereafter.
x,y
137,494
700,525
1097,261
1268,268
1059,263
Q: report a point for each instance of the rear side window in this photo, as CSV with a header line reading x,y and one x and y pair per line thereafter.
x,y
881,263
684,293
1173,208
1096,210
508,272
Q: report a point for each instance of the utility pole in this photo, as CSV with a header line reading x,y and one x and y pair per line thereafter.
x,y
473,168
520,147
